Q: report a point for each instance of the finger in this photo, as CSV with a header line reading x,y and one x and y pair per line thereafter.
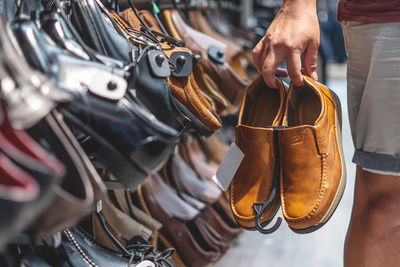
x,y
257,54
310,60
270,68
264,55
294,68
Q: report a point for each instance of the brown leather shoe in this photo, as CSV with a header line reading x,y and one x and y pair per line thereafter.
x,y
230,84
313,170
121,225
254,191
235,54
183,227
184,179
78,195
184,89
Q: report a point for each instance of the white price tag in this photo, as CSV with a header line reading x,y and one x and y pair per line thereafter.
x,y
229,167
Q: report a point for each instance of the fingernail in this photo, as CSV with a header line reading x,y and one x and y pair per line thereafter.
x,y
314,75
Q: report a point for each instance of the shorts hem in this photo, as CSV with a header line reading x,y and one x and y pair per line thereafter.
x,y
377,163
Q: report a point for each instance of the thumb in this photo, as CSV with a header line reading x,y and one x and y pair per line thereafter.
x,y
310,60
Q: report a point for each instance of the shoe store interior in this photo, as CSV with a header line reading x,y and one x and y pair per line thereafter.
x,y
141,133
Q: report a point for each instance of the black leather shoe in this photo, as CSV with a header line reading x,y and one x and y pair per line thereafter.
x,y
128,139
151,89
76,241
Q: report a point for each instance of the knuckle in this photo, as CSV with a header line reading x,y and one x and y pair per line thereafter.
x,y
311,67
266,69
298,80
290,45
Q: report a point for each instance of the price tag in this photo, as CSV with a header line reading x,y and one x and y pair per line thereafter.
x,y
229,167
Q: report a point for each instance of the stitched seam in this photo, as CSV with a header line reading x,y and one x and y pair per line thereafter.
x,y
320,195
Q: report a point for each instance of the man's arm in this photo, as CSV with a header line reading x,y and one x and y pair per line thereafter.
x,y
294,30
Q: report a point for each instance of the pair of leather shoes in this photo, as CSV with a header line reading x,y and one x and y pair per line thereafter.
x,y
293,156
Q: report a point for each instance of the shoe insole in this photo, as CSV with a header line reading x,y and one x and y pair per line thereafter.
x,y
262,105
305,107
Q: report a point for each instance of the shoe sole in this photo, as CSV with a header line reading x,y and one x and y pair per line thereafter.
x,y
342,184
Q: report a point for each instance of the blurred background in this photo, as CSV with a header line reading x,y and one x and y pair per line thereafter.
x,y
324,247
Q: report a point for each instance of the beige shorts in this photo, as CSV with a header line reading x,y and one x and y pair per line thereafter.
x,y
373,78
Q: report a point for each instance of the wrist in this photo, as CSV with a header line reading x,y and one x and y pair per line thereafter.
x,y
299,7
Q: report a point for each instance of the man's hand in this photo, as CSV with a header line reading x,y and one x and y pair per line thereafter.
x,y
294,30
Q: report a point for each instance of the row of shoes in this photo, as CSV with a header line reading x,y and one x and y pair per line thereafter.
x,y
106,153
291,139
107,116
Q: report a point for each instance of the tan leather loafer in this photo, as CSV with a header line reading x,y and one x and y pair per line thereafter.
x,y
313,172
230,84
254,193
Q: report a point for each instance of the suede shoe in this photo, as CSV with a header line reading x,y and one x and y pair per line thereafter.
x,y
313,172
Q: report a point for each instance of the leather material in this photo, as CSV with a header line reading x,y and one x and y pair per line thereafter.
x,y
169,202
17,190
43,95
8,9
66,37
96,253
209,88
233,52
82,187
54,25
227,81
123,201
214,219
23,157
97,33
222,25
152,91
183,178
121,225
215,149
189,233
313,173
261,107
20,142
184,90
188,182
150,142
196,158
